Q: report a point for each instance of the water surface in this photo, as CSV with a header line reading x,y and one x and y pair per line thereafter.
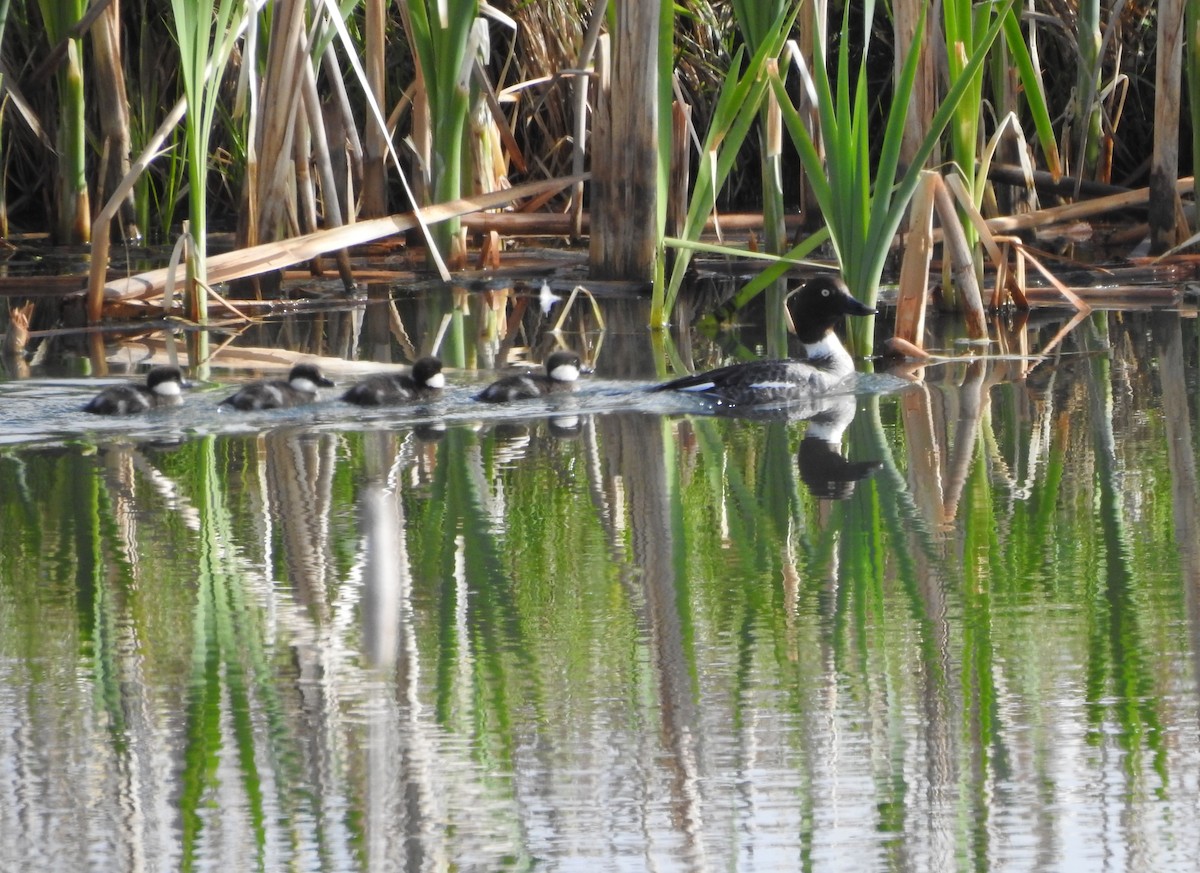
x,y
948,626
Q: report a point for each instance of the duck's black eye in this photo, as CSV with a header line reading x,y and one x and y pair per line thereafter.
x,y
824,292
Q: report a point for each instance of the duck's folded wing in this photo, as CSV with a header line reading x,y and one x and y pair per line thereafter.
x,y
734,375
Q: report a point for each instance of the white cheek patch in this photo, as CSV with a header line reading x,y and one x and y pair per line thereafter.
x,y
703,386
169,388
565,373
303,383
437,380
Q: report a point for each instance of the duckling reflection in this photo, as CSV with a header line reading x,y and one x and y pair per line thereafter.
x,y
511,440
828,474
430,431
514,441
565,427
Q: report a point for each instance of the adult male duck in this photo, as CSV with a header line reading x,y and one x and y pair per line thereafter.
x,y
815,309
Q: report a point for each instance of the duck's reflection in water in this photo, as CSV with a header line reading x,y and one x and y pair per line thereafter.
x,y
828,473
823,466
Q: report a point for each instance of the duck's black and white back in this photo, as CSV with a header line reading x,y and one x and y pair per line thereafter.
x,y
814,309
163,387
299,388
562,371
424,380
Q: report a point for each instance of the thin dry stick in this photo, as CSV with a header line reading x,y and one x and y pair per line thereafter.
x,y
441,332
228,341
377,113
212,291
562,316
1072,298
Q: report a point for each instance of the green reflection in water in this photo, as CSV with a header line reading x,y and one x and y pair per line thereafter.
x,y
639,640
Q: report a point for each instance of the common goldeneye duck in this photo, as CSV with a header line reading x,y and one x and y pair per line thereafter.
x,y
424,379
163,387
299,388
562,370
814,309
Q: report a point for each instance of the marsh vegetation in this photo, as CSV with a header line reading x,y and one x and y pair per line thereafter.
x,y
887,629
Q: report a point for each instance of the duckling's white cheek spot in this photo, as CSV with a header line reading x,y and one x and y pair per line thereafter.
x,y
436,381
305,385
168,389
565,373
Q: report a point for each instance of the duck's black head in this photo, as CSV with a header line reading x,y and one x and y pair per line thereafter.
x,y
819,303
427,372
165,380
310,374
564,366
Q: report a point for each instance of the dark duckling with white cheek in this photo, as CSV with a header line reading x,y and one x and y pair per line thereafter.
x,y
562,371
423,381
299,388
163,387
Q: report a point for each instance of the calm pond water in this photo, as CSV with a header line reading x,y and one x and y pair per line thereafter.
x,y
940,625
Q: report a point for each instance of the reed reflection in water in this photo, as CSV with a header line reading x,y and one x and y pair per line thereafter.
x,y
952,626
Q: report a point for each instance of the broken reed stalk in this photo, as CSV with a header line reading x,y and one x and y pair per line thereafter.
x,y
100,237
1085,209
959,251
1004,277
264,258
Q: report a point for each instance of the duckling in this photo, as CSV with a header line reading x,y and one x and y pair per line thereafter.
x,y
424,380
562,370
299,388
164,387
